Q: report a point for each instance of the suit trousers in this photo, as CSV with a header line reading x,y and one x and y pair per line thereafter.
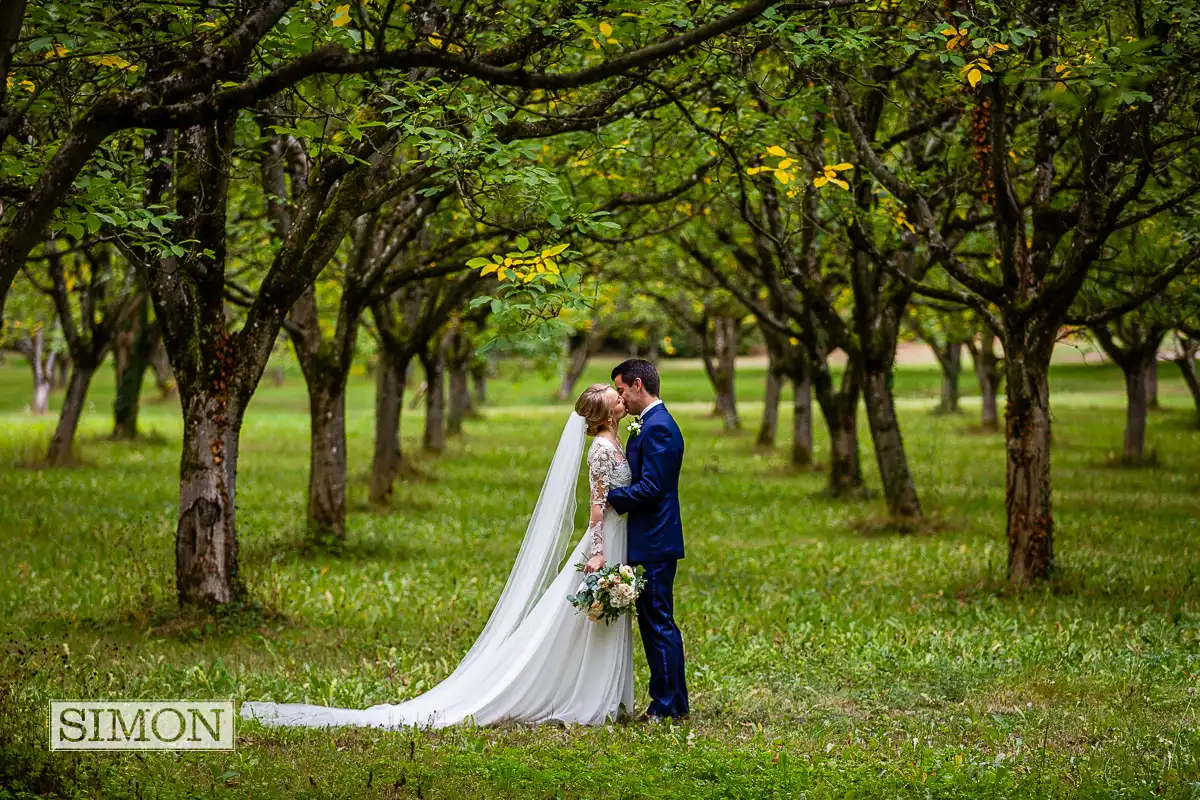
x,y
662,640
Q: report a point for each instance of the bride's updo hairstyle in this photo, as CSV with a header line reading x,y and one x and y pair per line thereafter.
x,y
595,407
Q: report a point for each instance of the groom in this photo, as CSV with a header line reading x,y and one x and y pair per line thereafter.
x,y
655,453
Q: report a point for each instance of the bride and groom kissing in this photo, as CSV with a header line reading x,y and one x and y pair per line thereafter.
x,y
537,660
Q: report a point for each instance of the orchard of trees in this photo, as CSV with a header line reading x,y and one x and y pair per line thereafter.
x,y
190,189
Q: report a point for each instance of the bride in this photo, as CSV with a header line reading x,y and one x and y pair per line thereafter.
x,y
536,660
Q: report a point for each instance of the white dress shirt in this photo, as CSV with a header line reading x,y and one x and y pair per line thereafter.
x,y
646,410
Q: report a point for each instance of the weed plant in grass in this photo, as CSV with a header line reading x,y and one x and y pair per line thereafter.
x,y
827,657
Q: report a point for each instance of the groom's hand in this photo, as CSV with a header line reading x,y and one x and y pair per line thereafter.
x,y
594,564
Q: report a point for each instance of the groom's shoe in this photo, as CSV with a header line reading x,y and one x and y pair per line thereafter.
x,y
649,718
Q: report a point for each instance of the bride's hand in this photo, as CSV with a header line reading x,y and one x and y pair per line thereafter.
x,y
594,564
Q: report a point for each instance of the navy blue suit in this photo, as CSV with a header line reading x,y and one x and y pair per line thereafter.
x,y
656,543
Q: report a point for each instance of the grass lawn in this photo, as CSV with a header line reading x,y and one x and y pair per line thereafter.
x,y
826,657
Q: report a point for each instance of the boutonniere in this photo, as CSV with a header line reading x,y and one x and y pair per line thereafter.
x,y
635,427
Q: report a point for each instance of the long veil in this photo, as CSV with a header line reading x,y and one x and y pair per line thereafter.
x,y
536,566
543,547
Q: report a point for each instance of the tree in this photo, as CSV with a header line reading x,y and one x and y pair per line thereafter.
x,y
1187,343
947,331
407,324
92,298
1131,341
134,73
1068,126
989,372
32,329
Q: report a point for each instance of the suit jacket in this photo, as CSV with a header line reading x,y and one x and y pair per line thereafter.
x,y
652,501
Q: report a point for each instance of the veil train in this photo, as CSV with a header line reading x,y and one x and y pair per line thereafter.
x,y
460,695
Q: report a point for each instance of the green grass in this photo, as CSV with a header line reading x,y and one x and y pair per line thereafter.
x,y
826,659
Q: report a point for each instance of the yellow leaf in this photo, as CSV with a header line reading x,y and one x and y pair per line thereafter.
x,y
1060,67
606,29
27,86
113,61
436,41
595,45
341,16
776,150
489,269
949,32
820,180
841,183
787,162
552,266
784,177
842,166
974,76
1060,87
209,24
59,50
753,170
549,252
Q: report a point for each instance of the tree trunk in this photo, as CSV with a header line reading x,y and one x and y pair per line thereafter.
x,y
164,378
1030,524
479,376
327,469
898,487
460,399
389,403
987,371
1151,382
435,402
1187,365
130,361
41,394
459,352
840,410
42,366
726,346
579,351
206,568
770,417
1137,404
59,373
63,444
802,432
951,363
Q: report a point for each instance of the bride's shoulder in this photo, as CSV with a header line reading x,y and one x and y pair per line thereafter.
x,y
603,446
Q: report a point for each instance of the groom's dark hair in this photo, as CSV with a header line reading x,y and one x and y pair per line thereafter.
x,y
634,368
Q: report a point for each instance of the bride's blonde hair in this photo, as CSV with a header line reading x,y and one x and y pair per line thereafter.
x,y
595,407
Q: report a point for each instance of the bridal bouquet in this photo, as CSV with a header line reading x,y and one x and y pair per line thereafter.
x,y
608,593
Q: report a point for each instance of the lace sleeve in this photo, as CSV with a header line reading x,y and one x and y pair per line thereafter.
x,y
601,465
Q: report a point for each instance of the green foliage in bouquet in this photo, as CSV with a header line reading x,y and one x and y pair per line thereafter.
x,y
608,593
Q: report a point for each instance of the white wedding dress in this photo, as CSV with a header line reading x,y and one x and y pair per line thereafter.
x,y
537,660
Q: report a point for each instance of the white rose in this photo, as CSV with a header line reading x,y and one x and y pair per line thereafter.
x,y
627,571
